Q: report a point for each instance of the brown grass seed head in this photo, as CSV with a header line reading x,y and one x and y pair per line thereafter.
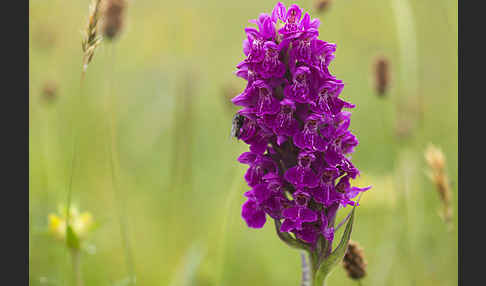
x,y
113,18
381,72
49,91
91,39
322,5
354,262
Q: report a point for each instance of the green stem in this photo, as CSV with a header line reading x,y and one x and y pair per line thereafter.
x,y
74,127
76,261
120,207
320,281
228,206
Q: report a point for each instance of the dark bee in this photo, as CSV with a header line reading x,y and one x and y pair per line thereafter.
x,y
236,125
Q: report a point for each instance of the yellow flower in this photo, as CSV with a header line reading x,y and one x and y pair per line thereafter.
x,y
81,223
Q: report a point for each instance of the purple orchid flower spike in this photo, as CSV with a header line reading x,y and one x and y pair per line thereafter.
x,y
294,120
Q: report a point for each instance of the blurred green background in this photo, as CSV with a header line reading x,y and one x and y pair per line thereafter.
x,y
180,186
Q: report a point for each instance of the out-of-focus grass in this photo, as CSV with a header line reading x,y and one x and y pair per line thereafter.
x,y
202,235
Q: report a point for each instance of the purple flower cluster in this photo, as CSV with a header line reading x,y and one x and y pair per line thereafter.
x,y
293,120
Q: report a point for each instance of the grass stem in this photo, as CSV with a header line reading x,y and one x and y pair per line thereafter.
x,y
74,128
76,263
113,154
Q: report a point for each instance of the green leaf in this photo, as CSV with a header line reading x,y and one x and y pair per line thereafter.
x,y
336,256
72,239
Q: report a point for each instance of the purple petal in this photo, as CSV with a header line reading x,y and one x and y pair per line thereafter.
x,y
292,175
291,213
310,179
254,216
287,226
307,215
261,193
329,234
278,12
308,234
247,158
354,191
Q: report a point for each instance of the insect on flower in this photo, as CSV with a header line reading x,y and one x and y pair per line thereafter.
x,y
236,125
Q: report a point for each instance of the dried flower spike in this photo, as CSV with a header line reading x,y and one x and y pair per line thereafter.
x,y
113,17
322,5
436,161
381,72
354,261
91,39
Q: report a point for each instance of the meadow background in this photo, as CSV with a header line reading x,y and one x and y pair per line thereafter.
x,y
180,186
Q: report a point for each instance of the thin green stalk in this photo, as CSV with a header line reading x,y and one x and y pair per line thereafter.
x,y
76,263
89,44
113,154
404,178
408,59
45,158
235,186
74,127
175,166
407,39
